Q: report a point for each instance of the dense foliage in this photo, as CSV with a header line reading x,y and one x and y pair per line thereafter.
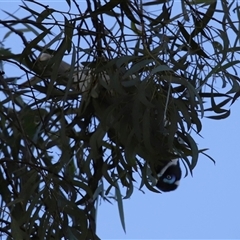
x,y
137,86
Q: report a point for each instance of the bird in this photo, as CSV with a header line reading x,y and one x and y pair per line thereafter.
x,y
81,75
84,78
169,177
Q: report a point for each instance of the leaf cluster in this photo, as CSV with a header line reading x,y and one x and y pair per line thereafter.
x,y
153,77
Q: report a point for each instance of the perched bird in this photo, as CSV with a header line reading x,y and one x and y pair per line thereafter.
x,y
169,177
82,77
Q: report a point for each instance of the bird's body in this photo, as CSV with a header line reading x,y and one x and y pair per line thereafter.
x,y
88,83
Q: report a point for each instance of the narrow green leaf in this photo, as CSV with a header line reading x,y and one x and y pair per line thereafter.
x,y
141,93
162,17
235,97
128,12
107,7
57,61
130,153
195,47
161,68
218,69
146,130
222,116
44,15
144,179
16,232
120,206
202,152
69,3
181,105
68,31
201,24
194,150
129,190
138,67
148,3
195,2
135,29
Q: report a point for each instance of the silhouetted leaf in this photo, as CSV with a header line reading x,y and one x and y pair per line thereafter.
x,y
120,206
44,14
196,49
222,116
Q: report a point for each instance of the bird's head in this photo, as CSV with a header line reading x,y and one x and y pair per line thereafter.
x,y
169,177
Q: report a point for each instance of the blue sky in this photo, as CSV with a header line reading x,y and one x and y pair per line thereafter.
x,y
205,206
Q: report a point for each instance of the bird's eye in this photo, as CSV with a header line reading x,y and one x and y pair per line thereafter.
x,y
169,179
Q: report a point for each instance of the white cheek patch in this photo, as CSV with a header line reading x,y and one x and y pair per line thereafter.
x,y
172,162
44,57
177,183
